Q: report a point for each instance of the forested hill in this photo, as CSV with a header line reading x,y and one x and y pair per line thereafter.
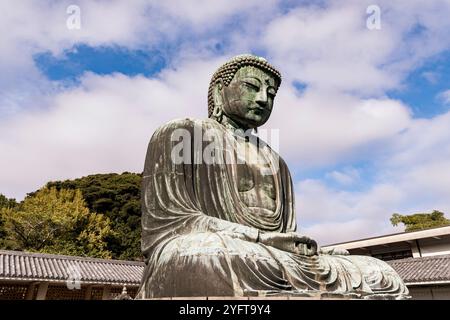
x,y
117,196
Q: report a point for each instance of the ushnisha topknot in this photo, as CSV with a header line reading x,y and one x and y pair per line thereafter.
x,y
227,71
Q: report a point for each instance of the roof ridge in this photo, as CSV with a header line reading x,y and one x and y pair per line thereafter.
x,y
410,259
67,257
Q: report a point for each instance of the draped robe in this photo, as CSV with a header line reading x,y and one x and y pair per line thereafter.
x,y
200,239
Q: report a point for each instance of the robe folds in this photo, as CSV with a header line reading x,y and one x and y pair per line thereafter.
x,y
200,239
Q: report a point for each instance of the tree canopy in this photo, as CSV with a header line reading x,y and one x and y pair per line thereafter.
x,y
56,221
4,203
420,221
117,196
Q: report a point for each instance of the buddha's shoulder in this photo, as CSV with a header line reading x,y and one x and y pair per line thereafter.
x,y
187,123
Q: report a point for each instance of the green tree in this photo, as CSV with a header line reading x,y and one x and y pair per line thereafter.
x,y
117,196
56,221
4,203
420,221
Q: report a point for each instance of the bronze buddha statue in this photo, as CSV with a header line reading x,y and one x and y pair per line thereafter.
x,y
218,215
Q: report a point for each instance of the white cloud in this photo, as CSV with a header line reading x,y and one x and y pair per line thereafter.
x,y
316,203
445,96
331,216
35,27
332,48
346,177
412,175
431,77
102,126
425,140
198,13
326,127
328,233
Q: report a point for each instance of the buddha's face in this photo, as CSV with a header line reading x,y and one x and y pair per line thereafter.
x,y
248,99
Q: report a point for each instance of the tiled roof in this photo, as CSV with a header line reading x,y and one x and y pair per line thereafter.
x,y
58,268
425,269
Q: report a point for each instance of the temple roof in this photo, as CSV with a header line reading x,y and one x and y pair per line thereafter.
x,y
425,270
16,265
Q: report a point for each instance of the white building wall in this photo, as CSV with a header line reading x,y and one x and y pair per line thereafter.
x,y
430,292
433,247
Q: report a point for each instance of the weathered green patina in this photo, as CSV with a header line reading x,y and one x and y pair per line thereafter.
x,y
218,214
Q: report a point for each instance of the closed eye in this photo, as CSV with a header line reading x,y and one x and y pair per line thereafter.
x,y
251,85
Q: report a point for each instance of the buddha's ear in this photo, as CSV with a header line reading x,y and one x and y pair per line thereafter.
x,y
218,93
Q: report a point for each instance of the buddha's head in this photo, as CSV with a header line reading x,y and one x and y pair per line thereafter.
x,y
242,91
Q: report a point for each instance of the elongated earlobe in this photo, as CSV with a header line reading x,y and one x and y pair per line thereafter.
x,y
217,113
218,106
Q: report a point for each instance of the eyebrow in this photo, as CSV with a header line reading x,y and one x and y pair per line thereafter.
x,y
251,77
266,81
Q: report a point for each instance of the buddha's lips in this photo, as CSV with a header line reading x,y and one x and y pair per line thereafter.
x,y
258,110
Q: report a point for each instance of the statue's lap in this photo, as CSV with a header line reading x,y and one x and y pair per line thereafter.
x,y
215,264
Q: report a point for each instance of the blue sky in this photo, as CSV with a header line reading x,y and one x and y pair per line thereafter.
x,y
363,114
100,60
423,85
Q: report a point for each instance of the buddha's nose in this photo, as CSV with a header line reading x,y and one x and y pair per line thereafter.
x,y
261,98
